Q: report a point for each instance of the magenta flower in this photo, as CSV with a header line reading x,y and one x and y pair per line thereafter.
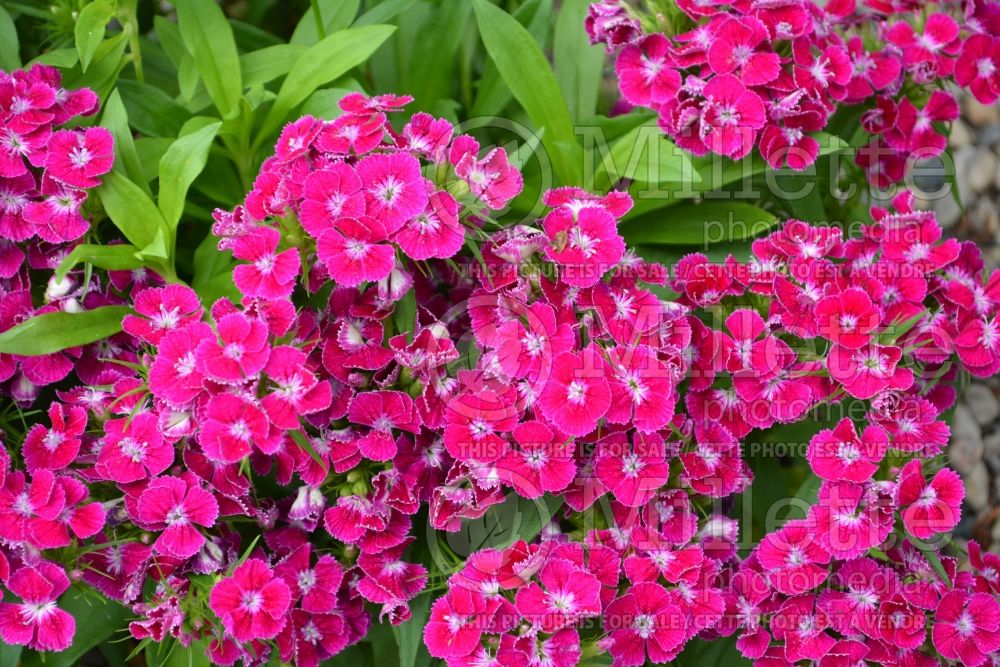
x,y
356,251
383,411
456,624
576,394
804,629
869,370
967,627
493,179
294,391
57,446
646,72
793,559
848,318
473,422
394,188
134,449
232,426
160,310
643,389
632,472
840,455
36,622
315,585
736,49
929,507
174,376
240,352
176,506
78,158
733,115
584,243
644,621
542,462
900,624
328,195
270,274
251,602
435,232
978,67
26,506
915,131
566,594
56,217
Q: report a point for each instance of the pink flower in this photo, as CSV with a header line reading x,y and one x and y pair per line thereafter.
x,y
541,463
803,627
55,447
793,558
394,188
735,49
978,67
383,411
644,621
174,376
939,38
830,71
643,389
270,274
634,471
295,391
356,251
900,624
56,217
176,506
456,624
78,158
36,622
134,449
493,179
160,310
328,195
929,508
967,627
732,116
915,133
585,243
646,73
847,318
840,455
239,353
315,585
232,426
567,594
576,394
869,370
27,506
252,602
435,232
473,422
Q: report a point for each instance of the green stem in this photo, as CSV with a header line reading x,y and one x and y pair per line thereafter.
x,y
320,28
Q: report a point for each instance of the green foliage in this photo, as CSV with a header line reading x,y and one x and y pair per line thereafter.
x,y
55,331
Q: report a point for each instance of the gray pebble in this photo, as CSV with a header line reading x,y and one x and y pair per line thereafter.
x,y
966,449
983,403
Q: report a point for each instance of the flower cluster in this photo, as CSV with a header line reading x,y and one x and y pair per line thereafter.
x,y
396,353
45,173
726,77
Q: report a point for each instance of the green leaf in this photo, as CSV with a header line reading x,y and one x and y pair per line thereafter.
x,y
108,61
116,120
578,64
268,64
61,58
10,58
336,15
430,74
52,332
523,66
151,111
209,40
493,94
89,29
404,315
112,257
699,224
383,12
131,209
516,518
410,635
645,155
320,64
182,163
195,655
